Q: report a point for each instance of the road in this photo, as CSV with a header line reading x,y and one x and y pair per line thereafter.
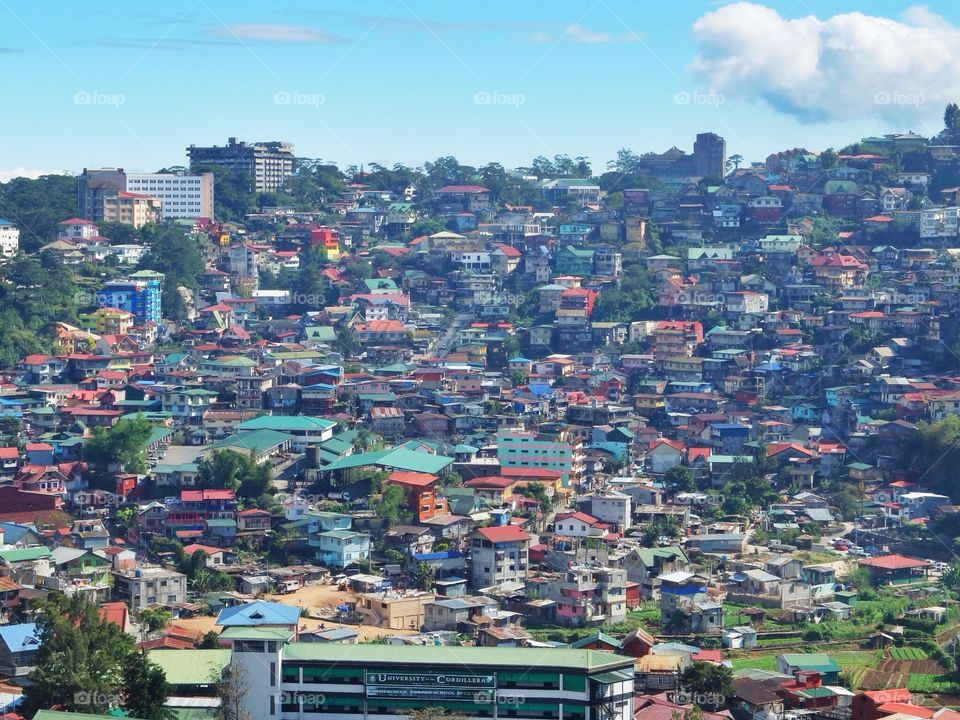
x,y
441,347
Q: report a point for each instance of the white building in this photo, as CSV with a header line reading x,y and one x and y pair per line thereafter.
x,y
9,239
77,230
182,196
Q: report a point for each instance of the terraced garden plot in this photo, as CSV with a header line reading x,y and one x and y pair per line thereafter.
x,y
933,684
907,653
755,662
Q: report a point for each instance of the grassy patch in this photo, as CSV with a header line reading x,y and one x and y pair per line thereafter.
x,y
907,653
935,684
755,662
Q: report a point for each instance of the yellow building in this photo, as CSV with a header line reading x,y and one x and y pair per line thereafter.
x,y
128,208
108,321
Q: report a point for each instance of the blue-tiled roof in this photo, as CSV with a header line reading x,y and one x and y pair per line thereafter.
x,y
20,638
258,613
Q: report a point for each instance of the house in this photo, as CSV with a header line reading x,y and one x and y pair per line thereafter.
x,y
895,569
499,554
646,565
664,455
147,586
18,649
791,663
739,637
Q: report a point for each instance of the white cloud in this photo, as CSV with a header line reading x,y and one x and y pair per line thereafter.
x,y
277,33
846,66
9,174
579,34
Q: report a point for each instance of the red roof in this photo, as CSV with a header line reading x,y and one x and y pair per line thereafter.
x,y
211,494
581,516
194,547
9,453
75,221
504,533
894,562
509,251
491,481
419,479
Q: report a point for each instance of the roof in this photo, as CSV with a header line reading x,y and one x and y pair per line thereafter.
x,y
818,662
258,613
503,533
894,562
431,655
20,638
286,423
191,667
398,458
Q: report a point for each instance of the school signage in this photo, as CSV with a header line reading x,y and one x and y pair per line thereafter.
x,y
429,685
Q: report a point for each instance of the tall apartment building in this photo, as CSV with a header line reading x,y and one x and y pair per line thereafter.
x,y
138,294
266,164
498,554
516,449
9,239
183,197
148,586
113,195
709,155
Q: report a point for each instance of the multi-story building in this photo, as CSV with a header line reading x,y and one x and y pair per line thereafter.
x,y
148,586
9,239
182,196
332,680
526,450
267,165
77,230
587,595
709,155
498,555
138,294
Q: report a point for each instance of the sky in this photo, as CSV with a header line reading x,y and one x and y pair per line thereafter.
x,y
102,84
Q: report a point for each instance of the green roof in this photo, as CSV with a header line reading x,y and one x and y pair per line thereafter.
x,y
286,423
221,522
192,667
817,662
649,555
235,361
256,633
397,458
159,433
257,440
526,658
32,553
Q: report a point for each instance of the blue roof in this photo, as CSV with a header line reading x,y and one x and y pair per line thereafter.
x,y
258,613
12,532
20,638
442,555
539,389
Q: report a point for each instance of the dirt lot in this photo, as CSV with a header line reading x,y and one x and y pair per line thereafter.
x,y
310,600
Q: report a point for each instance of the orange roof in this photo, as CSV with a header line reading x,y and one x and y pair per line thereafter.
x,y
894,562
419,479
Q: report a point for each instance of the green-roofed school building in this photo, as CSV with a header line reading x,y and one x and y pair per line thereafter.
x,y
290,680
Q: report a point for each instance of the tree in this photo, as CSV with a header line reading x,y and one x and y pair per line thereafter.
x,y
538,492
37,206
734,162
391,505
711,684
950,117
423,576
435,713
232,691
147,689
82,661
934,452
154,618
123,446
209,641
235,471
679,479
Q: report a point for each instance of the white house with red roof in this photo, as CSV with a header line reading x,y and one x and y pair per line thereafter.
x,y
665,454
499,554
579,525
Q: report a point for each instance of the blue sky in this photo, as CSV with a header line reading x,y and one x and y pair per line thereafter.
x,y
100,84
